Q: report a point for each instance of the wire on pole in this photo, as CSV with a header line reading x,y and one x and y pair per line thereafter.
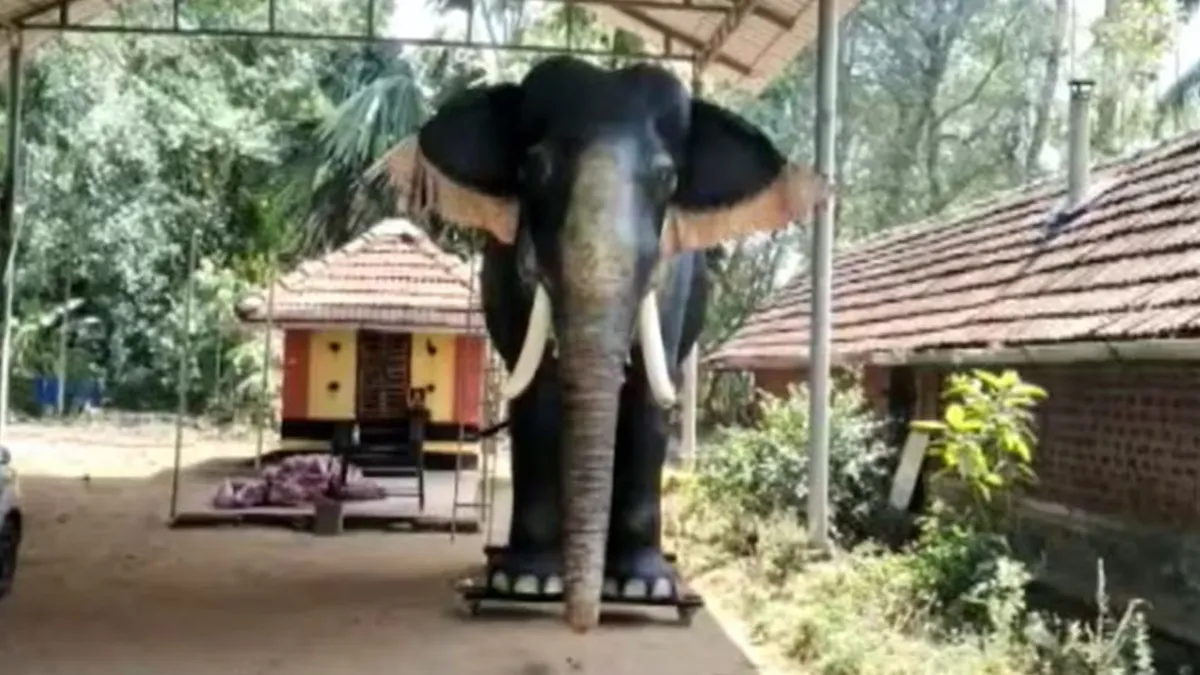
x,y
479,502
185,355
269,328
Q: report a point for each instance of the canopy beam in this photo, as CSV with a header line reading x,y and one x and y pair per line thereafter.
x,y
733,21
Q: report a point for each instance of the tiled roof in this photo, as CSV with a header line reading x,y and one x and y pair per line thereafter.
x,y
393,277
752,41
1004,273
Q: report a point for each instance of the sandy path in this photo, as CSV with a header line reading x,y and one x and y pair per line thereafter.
x,y
105,589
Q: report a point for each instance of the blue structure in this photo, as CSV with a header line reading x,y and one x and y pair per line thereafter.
x,y
79,392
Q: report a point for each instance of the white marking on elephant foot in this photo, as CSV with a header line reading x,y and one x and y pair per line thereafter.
x,y
527,584
663,589
635,588
553,585
610,587
500,582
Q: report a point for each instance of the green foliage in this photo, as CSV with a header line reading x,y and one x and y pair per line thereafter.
x,y
1110,645
953,562
132,145
763,470
954,601
725,399
986,434
984,443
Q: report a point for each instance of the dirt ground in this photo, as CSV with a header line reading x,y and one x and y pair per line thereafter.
x,y
105,588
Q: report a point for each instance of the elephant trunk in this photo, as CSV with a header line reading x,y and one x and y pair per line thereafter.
x,y
594,319
592,373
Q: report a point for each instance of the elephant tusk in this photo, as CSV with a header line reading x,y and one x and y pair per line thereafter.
x,y
532,350
653,352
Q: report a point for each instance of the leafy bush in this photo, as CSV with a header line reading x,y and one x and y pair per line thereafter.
x,y
1109,646
984,442
985,438
953,602
963,561
761,472
952,562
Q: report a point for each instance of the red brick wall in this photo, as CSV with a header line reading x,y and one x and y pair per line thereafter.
x,y
1122,440
874,381
875,387
1119,440
776,382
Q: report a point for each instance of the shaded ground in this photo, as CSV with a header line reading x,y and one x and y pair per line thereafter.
x,y
105,588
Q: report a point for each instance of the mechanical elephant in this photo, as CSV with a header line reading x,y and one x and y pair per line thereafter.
x,y
600,189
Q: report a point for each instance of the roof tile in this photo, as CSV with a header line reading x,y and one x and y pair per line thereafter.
x,y
1004,272
392,277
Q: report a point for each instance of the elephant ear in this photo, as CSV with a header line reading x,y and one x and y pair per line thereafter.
x,y
734,183
462,164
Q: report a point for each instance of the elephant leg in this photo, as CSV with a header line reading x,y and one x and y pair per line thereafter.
x,y
532,562
635,566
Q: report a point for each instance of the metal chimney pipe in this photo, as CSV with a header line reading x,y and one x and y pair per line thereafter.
x,y
1079,142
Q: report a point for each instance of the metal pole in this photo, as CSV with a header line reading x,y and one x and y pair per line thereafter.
x,y
9,230
266,374
64,332
822,280
691,365
185,356
1079,143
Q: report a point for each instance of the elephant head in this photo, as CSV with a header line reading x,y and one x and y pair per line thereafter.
x,y
597,176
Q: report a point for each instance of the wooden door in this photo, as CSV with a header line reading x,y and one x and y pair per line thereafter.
x,y
383,375
469,372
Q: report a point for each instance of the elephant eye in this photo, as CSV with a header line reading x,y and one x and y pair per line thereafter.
x,y
538,165
663,176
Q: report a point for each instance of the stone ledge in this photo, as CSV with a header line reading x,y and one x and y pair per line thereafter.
x,y
1154,564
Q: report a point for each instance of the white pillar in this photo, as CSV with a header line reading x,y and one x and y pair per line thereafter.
x,y
691,385
822,280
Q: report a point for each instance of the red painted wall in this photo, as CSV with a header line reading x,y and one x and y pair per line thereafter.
x,y
468,375
295,374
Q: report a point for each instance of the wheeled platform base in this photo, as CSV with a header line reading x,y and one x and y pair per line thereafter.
x,y
474,591
493,552
305,520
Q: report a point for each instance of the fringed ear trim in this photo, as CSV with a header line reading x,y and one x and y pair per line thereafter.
x,y
427,190
789,198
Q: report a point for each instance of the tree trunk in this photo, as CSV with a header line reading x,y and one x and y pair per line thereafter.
x,y
1104,138
1045,101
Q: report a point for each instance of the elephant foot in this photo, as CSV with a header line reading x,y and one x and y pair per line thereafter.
x,y
524,572
636,575
641,574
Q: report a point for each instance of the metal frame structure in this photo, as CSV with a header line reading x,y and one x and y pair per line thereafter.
x,y
57,17
66,22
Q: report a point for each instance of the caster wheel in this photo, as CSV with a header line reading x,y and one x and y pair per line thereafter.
x,y
685,616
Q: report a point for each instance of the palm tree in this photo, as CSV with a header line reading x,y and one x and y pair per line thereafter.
x,y
375,100
379,95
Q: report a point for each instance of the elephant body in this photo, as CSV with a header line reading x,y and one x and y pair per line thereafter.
x,y
634,565
600,190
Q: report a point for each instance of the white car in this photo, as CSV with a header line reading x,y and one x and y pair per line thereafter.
x,y
10,521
